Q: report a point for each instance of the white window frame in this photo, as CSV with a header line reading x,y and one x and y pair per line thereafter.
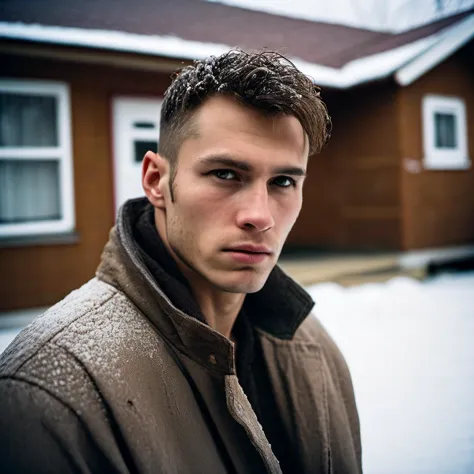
x,y
439,158
62,153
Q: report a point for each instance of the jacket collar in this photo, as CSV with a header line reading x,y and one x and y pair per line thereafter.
x,y
278,308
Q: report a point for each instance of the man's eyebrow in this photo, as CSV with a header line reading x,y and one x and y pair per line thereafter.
x,y
292,171
225,160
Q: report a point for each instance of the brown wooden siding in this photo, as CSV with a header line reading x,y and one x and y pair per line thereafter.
x,y
438,206
41,275
352,194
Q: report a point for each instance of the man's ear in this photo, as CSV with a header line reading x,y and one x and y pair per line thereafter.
x,y
155,173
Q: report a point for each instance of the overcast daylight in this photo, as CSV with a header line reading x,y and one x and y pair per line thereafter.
x,y
237,236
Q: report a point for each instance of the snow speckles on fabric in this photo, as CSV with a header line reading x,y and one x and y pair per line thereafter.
x,y
54,370
84,346
87,298
102,338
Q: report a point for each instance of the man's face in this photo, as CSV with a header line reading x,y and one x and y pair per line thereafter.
x,y
237,193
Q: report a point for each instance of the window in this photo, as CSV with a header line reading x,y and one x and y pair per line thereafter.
x,y
36,185
444,133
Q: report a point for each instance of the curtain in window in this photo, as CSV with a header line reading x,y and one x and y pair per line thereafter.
x,y
445,128
29,188
29,191
28,121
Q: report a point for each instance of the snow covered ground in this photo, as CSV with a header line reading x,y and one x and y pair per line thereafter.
x,y
410,348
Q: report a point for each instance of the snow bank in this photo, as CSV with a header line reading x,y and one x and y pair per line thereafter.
x,y
410,348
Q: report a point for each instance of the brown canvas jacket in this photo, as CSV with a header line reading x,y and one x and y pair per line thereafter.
x,y
114,378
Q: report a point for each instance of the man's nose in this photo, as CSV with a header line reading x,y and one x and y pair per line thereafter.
x,y
255,211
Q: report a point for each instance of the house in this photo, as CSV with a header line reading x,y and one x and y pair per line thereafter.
x,y
80,91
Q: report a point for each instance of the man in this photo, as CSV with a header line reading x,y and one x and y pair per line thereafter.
x,y
191,351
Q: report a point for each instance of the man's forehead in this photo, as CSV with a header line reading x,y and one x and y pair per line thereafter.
x,y
220,116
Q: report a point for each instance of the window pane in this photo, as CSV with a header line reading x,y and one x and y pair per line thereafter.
x,y
445,128
29,191
141,147
149,125
28,120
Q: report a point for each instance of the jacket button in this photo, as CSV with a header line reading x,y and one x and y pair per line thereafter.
x,y
212,359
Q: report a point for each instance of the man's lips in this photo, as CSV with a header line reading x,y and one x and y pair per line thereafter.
x,y
250,248
249,254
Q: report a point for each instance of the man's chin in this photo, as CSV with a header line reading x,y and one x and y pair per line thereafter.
x,y
243,281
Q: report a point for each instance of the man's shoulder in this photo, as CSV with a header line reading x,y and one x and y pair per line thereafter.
x,y
92,330
49,389
91,347
312,335
55,322
312,331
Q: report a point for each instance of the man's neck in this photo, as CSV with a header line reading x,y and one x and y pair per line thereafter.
x,y
219,308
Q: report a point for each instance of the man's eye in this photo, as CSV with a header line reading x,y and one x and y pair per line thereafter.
x,y
284,181
227,175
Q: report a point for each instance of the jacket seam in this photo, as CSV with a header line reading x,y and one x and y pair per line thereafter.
x,y
327,441
31,383
38,386
287,342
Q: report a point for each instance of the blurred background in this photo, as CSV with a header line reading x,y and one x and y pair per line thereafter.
x,y
385,240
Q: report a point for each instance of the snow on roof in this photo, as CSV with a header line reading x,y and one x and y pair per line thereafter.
x,y
407,62
376,66
450,41
170,46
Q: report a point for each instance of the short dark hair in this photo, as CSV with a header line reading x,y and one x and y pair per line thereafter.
x,y
265,81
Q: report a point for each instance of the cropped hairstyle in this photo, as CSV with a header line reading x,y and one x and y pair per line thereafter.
x,y
265,81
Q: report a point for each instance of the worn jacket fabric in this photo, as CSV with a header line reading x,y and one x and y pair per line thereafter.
x,y
115,378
